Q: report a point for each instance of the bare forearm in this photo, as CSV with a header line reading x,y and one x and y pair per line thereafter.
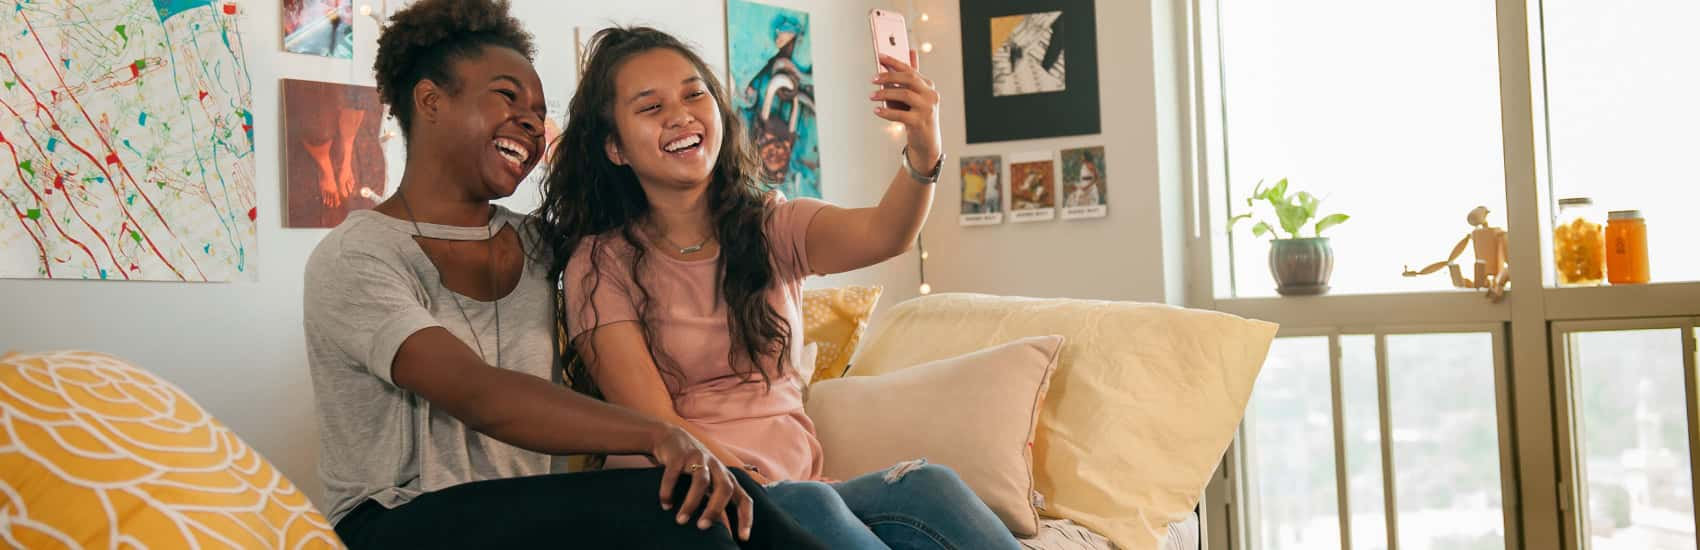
x,y
534,414
903,210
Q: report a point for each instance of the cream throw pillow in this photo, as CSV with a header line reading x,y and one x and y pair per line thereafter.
x,y
974,413
1145,399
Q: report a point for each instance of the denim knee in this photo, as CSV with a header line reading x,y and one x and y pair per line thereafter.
x,y
811,498
809,491
923,476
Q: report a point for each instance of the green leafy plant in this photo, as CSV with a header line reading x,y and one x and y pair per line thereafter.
x,y
1292,212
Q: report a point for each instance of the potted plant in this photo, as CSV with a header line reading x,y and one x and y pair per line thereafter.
x,y
1300,265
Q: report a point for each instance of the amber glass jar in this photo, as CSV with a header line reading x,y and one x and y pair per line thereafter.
x,y
1578,241
1626,248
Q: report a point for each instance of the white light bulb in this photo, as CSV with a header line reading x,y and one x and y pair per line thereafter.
x,y
895,129
926,47
926,289
925,17
923,256
366,10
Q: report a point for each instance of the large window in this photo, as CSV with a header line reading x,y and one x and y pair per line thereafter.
x,y
1622,113
1387,111
1630,423
1317,425
1399,412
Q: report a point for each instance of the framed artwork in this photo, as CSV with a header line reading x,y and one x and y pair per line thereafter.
x,y
319,27
982,190
156,185
770,53
1085,183
1032,187
1030,69
334,160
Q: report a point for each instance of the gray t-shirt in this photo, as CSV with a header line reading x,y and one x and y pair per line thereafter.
x,y
369,287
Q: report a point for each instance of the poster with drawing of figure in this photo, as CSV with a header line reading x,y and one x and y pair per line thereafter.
x,y
1029,69
770,54
982,190
1032,187
1027,54
1085,184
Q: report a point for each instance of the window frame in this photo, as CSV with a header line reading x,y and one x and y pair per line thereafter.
x,y
1571,460
1237,460
1537,484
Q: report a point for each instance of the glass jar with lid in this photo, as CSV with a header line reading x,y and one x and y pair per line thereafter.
x,y
1626,248
1579,243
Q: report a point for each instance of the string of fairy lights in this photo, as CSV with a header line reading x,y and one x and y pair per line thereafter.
x,y
926,47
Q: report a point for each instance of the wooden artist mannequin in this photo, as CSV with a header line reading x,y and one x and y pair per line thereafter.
x,y
1491,271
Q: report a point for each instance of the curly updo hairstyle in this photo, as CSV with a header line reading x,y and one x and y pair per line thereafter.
x,y
423,40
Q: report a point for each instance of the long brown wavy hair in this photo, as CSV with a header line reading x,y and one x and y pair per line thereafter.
x,y
586,195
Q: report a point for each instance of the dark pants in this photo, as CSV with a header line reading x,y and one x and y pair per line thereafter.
x,y
602,509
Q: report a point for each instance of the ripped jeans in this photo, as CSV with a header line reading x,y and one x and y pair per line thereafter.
x,y
910,506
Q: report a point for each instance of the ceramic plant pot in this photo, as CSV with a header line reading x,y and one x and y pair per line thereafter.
x,y
1301,267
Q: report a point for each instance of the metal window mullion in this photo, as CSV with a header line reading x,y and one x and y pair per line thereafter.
x,y
1572,481
1507,438
1691,384
1341,485
1250,505
1383,404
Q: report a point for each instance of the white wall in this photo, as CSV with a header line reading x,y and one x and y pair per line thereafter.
x,y
1136,253
238,348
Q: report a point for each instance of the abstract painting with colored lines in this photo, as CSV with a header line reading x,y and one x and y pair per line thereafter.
x,y
127,142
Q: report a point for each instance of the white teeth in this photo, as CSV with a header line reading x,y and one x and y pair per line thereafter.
x,y
681,143
513,150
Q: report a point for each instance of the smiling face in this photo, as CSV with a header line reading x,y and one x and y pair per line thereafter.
x,y
669,126
490,132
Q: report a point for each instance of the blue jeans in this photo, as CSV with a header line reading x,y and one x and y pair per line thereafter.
x,y
911,506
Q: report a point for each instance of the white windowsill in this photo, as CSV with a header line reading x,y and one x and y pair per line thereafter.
x,y
1446,307
1620,302
1465,306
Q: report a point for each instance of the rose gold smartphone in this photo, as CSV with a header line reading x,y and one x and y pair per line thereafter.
x,y
891,37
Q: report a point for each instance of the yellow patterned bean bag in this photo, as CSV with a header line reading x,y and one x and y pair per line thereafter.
x,y
96,453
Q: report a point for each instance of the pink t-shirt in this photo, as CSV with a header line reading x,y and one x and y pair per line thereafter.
x,y
764,425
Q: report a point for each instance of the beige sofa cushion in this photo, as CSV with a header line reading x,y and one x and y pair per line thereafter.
x,y
974,413
1145,399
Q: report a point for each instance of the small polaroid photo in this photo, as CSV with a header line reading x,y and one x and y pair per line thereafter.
x,y
1032,187
982,190
1085,183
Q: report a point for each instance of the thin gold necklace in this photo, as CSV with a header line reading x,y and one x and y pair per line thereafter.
x,y
683,250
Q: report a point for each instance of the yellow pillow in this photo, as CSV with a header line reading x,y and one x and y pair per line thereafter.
x,y
1145,398
96,453
833,320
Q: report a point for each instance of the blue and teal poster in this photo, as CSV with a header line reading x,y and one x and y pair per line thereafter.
x,y
773,88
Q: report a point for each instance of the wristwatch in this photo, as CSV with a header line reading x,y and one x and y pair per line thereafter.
x,y
938,169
